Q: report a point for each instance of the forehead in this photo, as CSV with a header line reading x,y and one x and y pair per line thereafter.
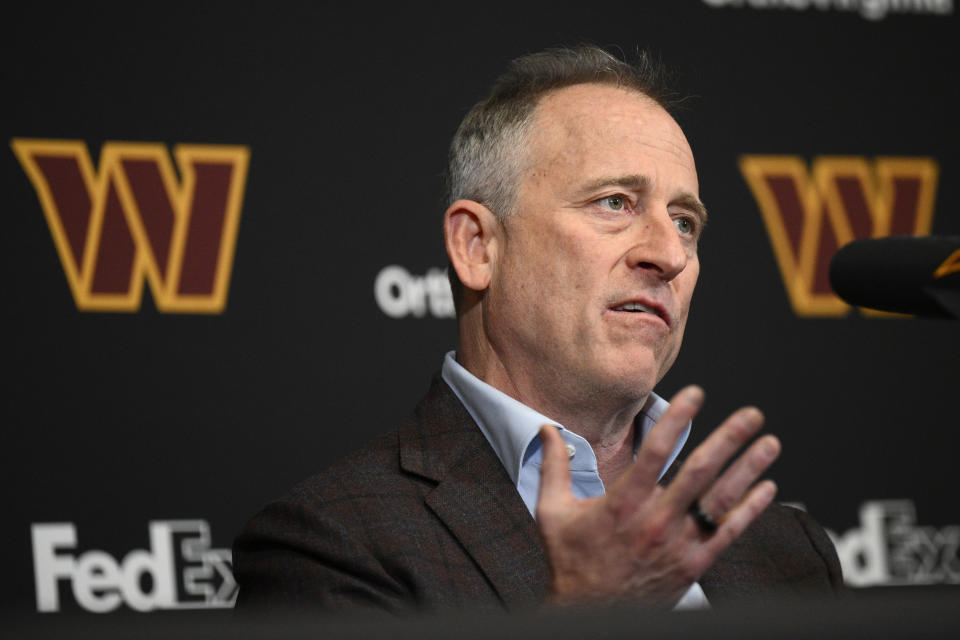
x,y
605,129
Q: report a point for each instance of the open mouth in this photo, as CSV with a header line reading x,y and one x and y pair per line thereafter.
x,y
638,307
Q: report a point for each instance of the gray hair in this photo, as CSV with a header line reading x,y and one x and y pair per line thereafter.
x,y
487,154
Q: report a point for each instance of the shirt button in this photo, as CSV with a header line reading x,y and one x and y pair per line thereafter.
x,y
571,450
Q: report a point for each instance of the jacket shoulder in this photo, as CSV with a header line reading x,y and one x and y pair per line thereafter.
x,y
318,544
784,552
384,527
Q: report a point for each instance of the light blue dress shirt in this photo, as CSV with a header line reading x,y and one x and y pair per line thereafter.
x,y
512,429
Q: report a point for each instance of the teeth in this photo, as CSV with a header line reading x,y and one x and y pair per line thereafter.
x,y
634,306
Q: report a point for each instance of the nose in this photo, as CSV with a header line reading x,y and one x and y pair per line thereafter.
x,y
658,247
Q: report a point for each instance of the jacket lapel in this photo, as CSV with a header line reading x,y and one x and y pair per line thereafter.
x,y
474,497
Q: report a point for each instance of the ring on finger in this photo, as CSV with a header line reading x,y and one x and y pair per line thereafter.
x,y
704,520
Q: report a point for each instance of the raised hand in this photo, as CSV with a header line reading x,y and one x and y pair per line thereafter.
x,y
640,542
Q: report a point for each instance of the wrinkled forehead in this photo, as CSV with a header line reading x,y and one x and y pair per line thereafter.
x,y
599,127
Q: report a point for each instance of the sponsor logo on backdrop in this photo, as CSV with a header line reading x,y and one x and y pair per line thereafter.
x,y
180,570
810,212
889,548
135,220
869,9
400,293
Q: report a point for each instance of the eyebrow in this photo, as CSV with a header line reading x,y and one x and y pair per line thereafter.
x,y
693,203
634,182
637,182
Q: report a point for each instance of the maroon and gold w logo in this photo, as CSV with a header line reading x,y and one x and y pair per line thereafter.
x,y
811,214
134,220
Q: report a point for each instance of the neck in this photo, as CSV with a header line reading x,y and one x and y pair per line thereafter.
x,y
603,420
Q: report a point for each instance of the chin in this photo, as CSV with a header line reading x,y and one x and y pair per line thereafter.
x,y
634,382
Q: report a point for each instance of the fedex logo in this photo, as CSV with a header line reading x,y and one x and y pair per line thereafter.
x,y
182,571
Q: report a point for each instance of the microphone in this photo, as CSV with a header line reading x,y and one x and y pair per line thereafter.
x,y
902,274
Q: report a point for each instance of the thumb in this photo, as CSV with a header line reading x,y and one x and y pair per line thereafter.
x,y
555,472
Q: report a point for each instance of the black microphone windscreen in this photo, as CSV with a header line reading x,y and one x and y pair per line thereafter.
x,y
896,274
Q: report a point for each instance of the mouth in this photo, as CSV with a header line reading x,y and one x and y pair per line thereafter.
x,y
647,307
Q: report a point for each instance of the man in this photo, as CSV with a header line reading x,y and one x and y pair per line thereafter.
x,y
572,235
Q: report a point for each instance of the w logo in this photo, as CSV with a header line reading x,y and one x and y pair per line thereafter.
x,y
134,220
811,214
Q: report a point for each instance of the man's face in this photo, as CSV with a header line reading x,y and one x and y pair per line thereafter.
x,y
591,289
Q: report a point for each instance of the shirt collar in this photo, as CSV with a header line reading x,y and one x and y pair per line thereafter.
x,y
511,426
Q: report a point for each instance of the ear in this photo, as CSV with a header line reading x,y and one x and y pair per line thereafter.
x,y
472,234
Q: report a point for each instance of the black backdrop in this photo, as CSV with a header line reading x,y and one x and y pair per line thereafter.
x,y
113,420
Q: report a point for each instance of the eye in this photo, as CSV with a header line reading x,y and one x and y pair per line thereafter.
x,y
684,225
615,202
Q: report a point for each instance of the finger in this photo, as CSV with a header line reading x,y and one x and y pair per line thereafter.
x,y
729,488
740,517
657,446
703,465
555,472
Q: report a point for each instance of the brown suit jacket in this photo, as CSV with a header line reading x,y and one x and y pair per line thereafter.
x,y
426,517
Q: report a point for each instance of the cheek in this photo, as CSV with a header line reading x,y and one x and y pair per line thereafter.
x,y
577,256
687,282
559,262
